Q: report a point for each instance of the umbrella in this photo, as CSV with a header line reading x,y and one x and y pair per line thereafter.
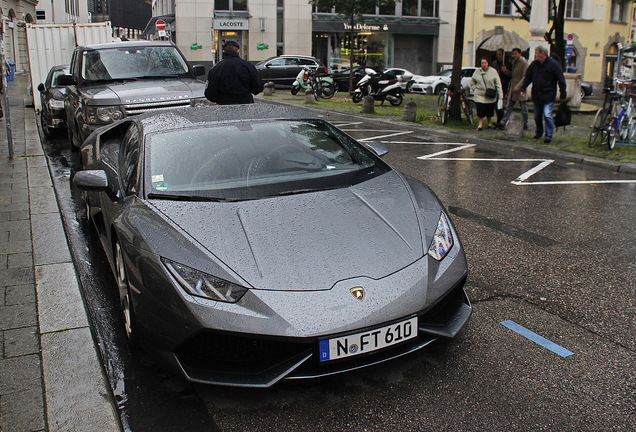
x,y
507,41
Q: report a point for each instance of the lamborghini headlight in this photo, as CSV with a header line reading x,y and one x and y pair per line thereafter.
x,y
201,284
442,240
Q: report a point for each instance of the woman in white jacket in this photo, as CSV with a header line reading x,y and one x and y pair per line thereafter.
x,y
483,79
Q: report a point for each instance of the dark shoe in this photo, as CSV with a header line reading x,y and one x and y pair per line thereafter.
x,y
501,126
478,128
547,140
491,127
537,136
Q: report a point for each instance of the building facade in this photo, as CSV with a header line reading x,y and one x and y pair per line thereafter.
x,y
594,31
15,15
406,35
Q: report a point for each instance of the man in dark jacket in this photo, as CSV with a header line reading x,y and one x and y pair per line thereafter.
x,y
544,74
233,80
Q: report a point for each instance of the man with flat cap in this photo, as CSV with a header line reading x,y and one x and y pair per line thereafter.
x,y
233,80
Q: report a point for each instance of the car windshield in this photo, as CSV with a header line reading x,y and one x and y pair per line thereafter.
x,y
255,159
132,63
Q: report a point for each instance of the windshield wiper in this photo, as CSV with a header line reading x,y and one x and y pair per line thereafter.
x,y
307,190
174,197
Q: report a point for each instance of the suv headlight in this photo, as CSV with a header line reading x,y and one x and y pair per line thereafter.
x,y
103,114
442,241
200,102
56,104
205,285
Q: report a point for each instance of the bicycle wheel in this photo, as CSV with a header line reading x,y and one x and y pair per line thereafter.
x,y
440,104
610,135
468,112
327,89
444,115
597,127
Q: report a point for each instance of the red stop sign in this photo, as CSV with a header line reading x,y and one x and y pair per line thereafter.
x,y
160,24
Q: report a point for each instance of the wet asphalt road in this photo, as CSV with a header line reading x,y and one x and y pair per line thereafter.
x,y
557,258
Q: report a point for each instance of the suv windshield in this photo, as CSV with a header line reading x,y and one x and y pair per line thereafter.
x,y
132,62
256,159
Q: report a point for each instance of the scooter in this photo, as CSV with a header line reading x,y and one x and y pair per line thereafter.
x,y
322,85
380,87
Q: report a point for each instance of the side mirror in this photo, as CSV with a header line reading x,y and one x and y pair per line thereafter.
x,y
377,147
198,70
41,87
91,180
65,80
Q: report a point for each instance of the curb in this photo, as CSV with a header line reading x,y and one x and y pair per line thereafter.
x,y
76,391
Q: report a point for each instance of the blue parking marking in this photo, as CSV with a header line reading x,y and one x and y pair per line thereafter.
x,y
558,349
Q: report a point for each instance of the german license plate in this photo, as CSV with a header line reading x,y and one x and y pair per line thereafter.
x,y
368,341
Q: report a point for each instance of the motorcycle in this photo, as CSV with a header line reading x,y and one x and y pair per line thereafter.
x,y
380,87
322,85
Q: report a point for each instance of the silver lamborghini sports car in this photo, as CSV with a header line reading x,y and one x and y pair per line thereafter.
x,y
256,243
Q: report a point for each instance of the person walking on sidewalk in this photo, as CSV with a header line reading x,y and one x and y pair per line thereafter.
x,y
233,80
518,72
504,69
544,74
486,87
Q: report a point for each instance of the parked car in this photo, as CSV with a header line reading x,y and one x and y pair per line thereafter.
x,y
587,89
407,83
284,69
342,78
108,82
439,82
52,94
226,230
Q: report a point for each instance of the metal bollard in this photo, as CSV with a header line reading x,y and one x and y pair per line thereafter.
x,y
268,89
368,104
410,111
309,96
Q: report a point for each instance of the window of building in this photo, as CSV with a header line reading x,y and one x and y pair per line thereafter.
x,y
410,7
235,5
503,7
430,8
619,11
574,9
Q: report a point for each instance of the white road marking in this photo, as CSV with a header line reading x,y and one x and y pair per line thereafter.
x,y
519,181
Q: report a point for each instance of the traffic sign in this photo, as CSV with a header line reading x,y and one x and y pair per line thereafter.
x,y
160,24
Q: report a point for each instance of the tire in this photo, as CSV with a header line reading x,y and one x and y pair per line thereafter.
x,y
87,206
327,89
439,88
583,94
356,97
125,298
612,136
440,104
48,132
597,127
468,112
409,86
295,90
398,101
444,116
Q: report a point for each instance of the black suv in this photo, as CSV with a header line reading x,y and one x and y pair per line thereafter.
x,y
111,81
284,69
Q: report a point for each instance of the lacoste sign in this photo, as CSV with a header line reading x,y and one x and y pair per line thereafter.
x,y
231,24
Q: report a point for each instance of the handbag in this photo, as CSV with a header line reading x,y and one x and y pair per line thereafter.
x,y
490,92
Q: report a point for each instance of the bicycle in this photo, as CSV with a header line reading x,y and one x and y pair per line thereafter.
x,y
600,132
321,88
444,101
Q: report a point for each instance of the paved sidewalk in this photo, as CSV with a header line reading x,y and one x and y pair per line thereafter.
x,y
51,377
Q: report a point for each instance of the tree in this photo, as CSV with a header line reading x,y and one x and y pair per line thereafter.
x,y
458,50
351,11
555,36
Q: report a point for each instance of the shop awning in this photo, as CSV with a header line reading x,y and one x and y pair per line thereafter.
x,y
232,14
324,22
